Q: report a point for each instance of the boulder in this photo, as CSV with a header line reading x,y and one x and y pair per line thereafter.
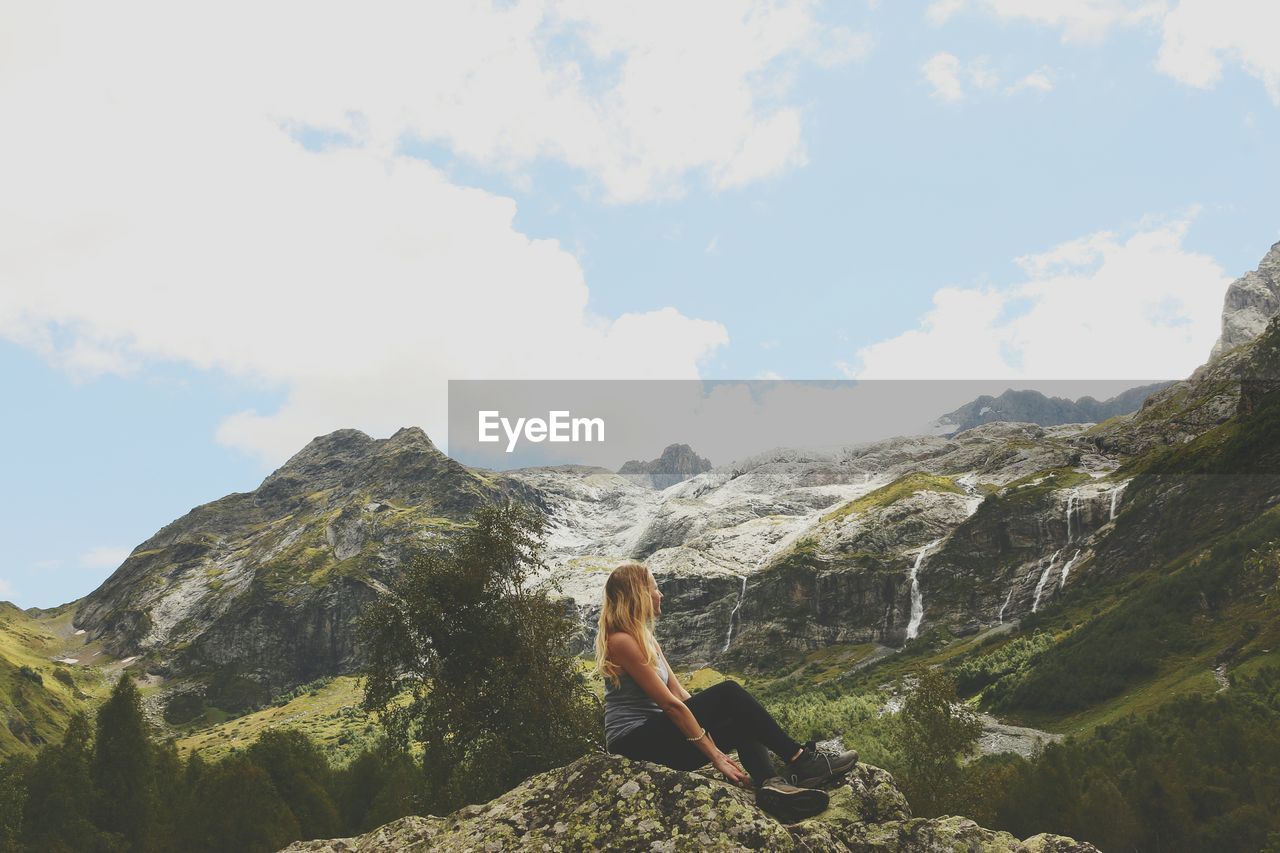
x,y
607,802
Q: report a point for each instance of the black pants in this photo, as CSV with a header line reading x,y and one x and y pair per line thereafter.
x,y
733,718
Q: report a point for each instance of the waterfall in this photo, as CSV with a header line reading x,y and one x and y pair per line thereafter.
x,y
1007,599
1115,493
1067,568
733,614
1071,505
917,597
1044,578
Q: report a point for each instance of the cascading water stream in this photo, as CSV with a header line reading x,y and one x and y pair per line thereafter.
x,y
1071,505
1044,578
917,597
734,613
1115,493
1066,569
1007,599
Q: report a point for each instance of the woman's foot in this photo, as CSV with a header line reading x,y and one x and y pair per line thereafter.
x,y
789,803
814,768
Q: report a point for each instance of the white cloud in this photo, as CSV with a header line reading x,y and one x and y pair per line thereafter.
x,y
158,208
104,557
1038,81
1079,20
1099,307
1197,36
617,90
1200,35
941,11
952,78
942,71
5,587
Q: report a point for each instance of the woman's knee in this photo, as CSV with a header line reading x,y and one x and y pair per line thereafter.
x,y
729,687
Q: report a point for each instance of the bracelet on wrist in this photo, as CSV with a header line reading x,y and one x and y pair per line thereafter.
x,y
699,737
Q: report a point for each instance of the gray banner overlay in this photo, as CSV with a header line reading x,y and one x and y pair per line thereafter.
x,y
507,424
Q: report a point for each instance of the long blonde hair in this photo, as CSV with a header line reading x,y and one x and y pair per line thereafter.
x,y
628,607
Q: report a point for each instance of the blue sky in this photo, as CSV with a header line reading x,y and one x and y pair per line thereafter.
x,y
203,266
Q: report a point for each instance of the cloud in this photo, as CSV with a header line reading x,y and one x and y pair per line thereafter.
x,y
942,71
941,11
160,204
104,557
1197,36
952,79
1079,20
1038,81
1097,307
612,89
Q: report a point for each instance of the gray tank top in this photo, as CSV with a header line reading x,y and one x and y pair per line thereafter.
x,y
627,706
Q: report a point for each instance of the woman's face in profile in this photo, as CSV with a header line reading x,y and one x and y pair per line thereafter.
x,y
655,595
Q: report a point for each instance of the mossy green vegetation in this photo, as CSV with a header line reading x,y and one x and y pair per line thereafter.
x,y
327,711
903,487
38,695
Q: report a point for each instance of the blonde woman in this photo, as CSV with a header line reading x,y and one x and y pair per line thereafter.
x,y
650,716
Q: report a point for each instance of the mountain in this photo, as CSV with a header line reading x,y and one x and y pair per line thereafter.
x,y
258,591
606,802
1030,406
1251,301
1118,527
677,463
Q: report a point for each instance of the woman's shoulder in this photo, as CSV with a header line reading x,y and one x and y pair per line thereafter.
x,y
622,642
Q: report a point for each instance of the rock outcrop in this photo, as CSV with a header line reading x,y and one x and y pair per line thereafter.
x,y
1030,406
677,463
605,802
1251,301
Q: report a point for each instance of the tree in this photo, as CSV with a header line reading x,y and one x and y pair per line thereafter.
x,y
301,775
933,733
14,773
123,766
59,794
494,693
236,807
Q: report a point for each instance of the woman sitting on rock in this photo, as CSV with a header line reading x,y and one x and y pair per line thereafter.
x,y
648,714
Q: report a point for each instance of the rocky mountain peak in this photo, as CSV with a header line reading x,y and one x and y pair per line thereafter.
x,y
1031,406
677,463
1250,302
411,436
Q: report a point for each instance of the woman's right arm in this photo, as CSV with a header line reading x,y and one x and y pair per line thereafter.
x,y
625,651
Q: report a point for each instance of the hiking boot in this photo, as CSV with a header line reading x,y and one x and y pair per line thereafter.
x,y
789,803
815,768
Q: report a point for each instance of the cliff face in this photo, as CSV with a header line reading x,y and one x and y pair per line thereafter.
x,y
1251,301
605,802
268,583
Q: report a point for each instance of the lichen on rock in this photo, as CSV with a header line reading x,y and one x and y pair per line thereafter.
x,y
607,802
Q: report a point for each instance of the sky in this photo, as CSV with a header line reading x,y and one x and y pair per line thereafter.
x,y
227,229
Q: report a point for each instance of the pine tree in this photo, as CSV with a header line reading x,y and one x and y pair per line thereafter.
x,y
123,767
57,816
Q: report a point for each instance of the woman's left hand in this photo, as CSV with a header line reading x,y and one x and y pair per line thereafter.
x,y
732,771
